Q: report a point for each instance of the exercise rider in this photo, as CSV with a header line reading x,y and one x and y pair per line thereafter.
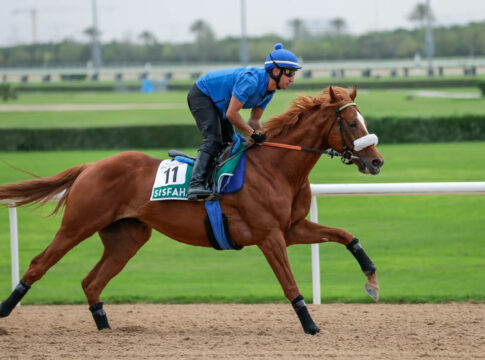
x,y
216,98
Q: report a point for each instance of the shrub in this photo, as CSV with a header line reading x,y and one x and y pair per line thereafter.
x,y
7,92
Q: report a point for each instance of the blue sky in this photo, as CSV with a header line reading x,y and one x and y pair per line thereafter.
x,y
170,20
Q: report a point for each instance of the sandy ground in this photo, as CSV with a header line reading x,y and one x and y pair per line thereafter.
x,y
376,331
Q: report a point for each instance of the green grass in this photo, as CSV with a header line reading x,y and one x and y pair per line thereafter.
x,y
170,97
426,248
375,103
89,119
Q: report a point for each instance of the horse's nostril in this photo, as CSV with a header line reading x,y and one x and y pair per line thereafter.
x,y
376,162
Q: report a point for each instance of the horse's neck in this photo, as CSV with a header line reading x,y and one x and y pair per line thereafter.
x,y
293,164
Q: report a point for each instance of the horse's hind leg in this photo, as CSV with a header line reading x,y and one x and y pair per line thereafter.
x,y
64,241
121,240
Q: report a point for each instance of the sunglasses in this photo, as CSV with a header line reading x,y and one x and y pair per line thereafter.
x,y
289,72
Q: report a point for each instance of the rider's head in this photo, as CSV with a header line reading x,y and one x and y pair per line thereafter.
x,y
285,62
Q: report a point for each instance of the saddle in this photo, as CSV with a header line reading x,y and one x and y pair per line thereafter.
x,y
224,167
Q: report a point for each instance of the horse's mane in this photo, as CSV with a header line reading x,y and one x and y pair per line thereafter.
x,y
304,102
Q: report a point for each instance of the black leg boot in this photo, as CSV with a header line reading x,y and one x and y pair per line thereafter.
x,y
197,189
17,294
99,316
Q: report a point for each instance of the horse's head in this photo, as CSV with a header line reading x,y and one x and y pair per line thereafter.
x,y
348,133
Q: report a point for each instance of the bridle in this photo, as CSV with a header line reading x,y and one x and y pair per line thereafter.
x,y
346,156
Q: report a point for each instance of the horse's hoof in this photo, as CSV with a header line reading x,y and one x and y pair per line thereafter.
x,y
312,330
6,309
372,291
4,312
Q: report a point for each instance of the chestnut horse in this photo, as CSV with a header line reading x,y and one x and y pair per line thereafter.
x,y
112,197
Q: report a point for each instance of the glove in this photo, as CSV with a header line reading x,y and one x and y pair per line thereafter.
x,y
258,137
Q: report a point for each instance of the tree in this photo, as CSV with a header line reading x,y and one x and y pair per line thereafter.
x,y
202,30
298,29
19,55
69,52
473,38
419,15
205,40
92,33
96,57
338,26
148,38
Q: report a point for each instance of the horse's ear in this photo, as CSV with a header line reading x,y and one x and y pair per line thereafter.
x,y
333,98
353,94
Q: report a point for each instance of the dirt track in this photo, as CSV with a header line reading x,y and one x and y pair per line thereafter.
x,y
349,331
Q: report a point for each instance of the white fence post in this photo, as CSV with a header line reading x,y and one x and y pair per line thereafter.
x,y
14,246
315,256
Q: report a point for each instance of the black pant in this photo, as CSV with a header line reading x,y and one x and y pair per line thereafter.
x,y
216,131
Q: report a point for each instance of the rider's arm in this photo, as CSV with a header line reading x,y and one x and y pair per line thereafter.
x,y
254,120
235,118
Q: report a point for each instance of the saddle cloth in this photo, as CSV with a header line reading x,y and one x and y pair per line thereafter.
x,y
173,175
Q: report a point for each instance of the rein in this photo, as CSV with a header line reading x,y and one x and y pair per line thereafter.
x,y
331,153
346,156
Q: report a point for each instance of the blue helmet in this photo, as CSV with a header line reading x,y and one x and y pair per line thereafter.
x,y
281,58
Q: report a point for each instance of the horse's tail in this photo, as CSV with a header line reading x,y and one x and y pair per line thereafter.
x,y
43,189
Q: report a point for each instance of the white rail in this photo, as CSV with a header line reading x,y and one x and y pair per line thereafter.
x,y
378,189
421,188
317,190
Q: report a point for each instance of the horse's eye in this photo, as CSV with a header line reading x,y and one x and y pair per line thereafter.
x,y
353,124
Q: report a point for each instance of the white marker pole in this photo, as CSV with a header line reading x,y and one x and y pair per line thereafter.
x,y
14,246
315,256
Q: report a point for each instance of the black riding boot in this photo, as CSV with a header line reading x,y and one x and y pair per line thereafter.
x,y
197,189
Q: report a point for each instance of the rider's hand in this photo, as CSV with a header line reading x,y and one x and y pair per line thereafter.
x,y
258,137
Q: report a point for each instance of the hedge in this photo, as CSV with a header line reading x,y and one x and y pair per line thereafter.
x,y
7,92
397,130
132,137
389,130
481,86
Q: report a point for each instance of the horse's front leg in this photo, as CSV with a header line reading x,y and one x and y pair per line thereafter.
x,y
274,249
308,232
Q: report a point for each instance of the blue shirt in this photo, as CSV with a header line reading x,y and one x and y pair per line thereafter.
x,y
247,84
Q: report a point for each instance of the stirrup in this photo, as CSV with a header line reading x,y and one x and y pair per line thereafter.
x,y
199,194
213,197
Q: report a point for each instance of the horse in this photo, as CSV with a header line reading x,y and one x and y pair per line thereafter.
x,y
112,197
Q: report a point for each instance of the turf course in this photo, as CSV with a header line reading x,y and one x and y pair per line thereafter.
x,y
426,248
375,103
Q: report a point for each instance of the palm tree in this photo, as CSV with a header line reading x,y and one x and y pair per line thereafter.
x,y
204,39
419,14
148,38
298,28
92,33
338,26
202,31
423,16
